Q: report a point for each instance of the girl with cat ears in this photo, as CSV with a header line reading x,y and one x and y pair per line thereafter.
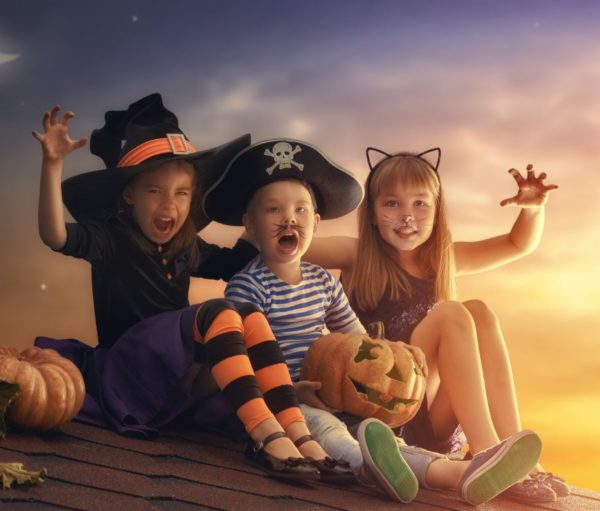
x,y
401,270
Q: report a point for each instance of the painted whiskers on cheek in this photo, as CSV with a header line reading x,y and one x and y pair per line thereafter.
x,y
281,228
387,221
396,225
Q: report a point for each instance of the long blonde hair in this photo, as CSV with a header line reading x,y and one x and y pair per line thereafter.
x,y
377,275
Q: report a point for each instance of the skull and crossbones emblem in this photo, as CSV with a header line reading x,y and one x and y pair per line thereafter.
x,y
283,154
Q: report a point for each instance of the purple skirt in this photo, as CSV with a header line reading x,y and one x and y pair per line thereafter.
x,y
144,381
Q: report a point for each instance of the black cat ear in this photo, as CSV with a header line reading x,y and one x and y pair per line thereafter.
x,y
438,156
369,156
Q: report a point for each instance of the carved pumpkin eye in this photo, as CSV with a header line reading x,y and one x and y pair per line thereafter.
x,y
365,351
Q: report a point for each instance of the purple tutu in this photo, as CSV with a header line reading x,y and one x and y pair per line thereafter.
x,y
144,381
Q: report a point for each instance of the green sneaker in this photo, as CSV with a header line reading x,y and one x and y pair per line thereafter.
x,y
494,470
383,462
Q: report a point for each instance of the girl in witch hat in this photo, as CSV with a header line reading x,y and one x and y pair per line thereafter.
x,y
137,221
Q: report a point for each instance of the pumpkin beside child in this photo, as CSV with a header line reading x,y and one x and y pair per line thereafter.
x,y
367,376
51,387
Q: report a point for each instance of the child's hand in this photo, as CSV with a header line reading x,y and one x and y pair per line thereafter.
x,y
56,142
306,391
533,193
419,356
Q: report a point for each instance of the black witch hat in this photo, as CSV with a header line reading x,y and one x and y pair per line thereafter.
x,y
137,139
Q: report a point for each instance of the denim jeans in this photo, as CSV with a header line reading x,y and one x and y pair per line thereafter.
x,y
333,435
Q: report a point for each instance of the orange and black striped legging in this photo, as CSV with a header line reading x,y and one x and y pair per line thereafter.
x,y
246,362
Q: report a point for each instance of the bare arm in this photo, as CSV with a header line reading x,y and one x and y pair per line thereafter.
x,y
56,145
334,252
523,238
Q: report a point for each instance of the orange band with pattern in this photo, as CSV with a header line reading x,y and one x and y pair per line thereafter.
x,y
173,143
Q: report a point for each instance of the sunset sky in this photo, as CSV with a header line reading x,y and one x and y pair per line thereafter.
x,y
494,84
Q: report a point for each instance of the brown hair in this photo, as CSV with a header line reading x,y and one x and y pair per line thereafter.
x,y
186,238
377,273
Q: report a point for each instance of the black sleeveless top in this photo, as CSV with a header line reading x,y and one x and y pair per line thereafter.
x,y
400,317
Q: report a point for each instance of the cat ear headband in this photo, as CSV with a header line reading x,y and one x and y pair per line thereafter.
x,y
386,156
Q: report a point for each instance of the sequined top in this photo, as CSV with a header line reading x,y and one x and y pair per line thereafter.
x,y
402,316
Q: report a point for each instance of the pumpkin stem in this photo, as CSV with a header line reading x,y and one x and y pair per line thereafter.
x,y
376,330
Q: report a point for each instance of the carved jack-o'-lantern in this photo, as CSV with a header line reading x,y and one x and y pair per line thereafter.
x,y
367,376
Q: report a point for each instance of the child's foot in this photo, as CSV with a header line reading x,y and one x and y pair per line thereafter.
x,y
418,460
494,470
284,467
331,471
383,463
557,484
530,491
279,445
309,447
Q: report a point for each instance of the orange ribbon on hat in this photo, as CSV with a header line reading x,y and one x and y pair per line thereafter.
x,y
174,143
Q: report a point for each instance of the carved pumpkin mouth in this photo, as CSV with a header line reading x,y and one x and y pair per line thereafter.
x,y
375,397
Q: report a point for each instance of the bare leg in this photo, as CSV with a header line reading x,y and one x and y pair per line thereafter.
x,y
442,414
448,338
497,371
444,473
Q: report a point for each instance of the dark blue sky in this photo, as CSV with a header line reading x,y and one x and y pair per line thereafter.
x,y
91,52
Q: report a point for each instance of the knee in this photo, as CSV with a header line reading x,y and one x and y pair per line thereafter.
x,y
454,315
208,312
216,304
482,314
321,422
247,308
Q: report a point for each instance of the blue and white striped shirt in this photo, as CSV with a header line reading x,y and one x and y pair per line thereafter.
x,y
297,313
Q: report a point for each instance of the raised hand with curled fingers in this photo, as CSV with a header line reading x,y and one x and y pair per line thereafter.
x,y
532,192
56,142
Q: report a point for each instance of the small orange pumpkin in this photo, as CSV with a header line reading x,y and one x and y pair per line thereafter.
x,y
367,376
52,388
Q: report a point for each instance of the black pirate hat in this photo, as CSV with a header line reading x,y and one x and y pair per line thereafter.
x,y
337,191
137,139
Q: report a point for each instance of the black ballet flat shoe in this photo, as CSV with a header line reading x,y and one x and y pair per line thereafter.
x,y
330,470
290,468
333,471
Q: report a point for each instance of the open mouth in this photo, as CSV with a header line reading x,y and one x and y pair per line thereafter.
x,y
406,230
288,241
164,224
377,398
